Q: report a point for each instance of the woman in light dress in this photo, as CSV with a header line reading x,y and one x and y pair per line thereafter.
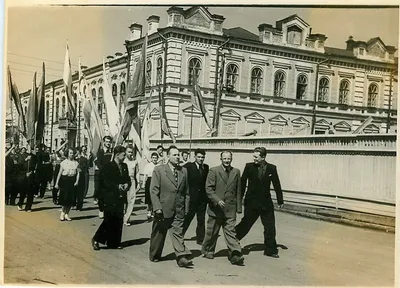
x,y
148,172
67,181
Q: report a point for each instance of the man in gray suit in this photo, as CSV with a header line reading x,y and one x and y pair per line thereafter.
x,y
223,189
169,193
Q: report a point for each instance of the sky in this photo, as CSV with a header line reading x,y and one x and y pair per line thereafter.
x,y
37,34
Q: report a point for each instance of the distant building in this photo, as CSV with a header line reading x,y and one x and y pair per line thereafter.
x,y
267,82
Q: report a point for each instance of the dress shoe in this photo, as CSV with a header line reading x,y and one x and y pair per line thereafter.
x,y
95,245
237,260
184,263
208,256
272,255
155,259
199,242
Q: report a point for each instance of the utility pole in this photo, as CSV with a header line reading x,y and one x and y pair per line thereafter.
x,y
390,100
314,111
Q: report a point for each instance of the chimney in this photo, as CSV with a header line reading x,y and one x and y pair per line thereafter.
x,y
350,43
153,23
136,31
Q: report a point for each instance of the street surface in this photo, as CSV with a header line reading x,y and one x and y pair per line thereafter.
x,y
41,250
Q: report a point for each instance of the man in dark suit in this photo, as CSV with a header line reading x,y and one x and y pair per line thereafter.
x,y
258,202
223,189
169,192
197,175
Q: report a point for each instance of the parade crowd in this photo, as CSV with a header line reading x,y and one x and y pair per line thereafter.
x,y
176,191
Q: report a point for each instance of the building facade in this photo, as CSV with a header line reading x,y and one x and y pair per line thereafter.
x,y
281,81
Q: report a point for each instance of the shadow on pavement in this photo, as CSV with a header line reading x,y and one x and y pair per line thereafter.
x,y
171,256
247,249
84,217
134,242
90,208
44,208
137,222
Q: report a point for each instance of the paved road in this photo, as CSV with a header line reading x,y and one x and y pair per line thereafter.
x,y
40,249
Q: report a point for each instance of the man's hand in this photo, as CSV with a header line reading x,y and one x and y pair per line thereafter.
x,y
221,203
158,215
76,183
280,206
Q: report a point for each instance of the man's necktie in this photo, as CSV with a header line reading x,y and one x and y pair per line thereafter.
x,y
201,170
176,175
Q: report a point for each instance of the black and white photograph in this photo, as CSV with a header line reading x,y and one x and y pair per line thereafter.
x,y
224,144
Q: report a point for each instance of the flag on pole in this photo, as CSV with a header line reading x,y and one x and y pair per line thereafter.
x,y
198,103
32,114
136,89
163,118
145,137
41,110
92,119
15,97
67,78
111,107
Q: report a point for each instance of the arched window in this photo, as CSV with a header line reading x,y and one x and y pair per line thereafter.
x,y
194,70
63,107
301,87
100,102
94,94
123,89
159,70
372,95
148,73
57,109
344,90
47,111
279,84
323,89
232,73
114,92
256,80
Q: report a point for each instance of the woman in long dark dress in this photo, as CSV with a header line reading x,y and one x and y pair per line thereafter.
x,y
67,181
115,182
83,185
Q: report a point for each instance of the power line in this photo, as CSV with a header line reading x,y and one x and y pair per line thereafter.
x,y
31,72
41,59
26,64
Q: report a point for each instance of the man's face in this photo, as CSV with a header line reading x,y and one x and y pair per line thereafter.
x,y
129,153
121,156
107,143
199,158
257,158
23,150
154,159
36,149
173,156
48,150
160,151
226,159
84,149
185,156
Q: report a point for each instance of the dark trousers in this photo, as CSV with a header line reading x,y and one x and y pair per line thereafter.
x,y
9,191
55,191
82,189
198,209
27,187
110,230
251,215
159,233
228,227
96,184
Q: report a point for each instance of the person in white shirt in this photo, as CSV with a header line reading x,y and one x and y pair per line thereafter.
x,y
133,169
160,153
148,172
185,158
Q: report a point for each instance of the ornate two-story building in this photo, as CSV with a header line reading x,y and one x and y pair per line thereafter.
x,y
281,81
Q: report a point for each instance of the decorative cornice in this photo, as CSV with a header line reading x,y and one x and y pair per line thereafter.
x,y
375,78
262,62
232,57
325,71
197,51
303,68
347,74
282,65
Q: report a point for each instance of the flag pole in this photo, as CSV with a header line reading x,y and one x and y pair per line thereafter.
x,y
52,121
191,131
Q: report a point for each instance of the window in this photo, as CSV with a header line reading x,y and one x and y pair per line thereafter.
x,y
294,35
279,84
123,89
301,87
256,80
57,109
232,73
372,95
361,51
194,70
148,74
94,94
100,102
159,70
323,90
47,111
63,107
114,92
344,92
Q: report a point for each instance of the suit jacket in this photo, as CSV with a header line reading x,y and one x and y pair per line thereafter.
x,y
197,183
220,187
103,157
258,191
110,178
167,195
